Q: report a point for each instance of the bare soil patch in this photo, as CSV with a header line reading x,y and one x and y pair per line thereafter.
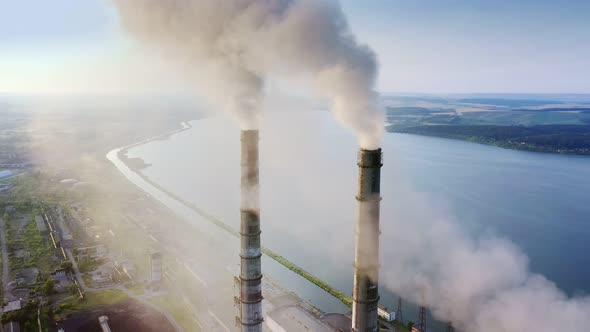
x,y
128,315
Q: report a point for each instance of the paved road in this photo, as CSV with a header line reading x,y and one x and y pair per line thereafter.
x,y
13,175
5,273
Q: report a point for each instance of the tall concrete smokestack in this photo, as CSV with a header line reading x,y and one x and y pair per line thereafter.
x,y
250,253
366,262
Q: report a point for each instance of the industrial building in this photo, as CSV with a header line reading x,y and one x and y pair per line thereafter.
x,y
99,251
156,269
385,313
59,232
66,239
285,311
60,277
104,323
124,267
102,276
12,306
41,225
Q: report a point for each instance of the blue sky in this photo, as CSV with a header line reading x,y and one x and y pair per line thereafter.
x,y
424,46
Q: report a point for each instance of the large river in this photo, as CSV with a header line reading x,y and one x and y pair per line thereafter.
x,y
308,183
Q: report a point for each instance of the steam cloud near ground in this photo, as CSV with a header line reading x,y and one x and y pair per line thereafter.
x,y
481,285
230,48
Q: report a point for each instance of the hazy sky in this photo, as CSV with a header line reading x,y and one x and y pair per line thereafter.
x,y
424,46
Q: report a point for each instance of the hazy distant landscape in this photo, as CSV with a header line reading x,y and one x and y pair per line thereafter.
x,y
553,123
294,165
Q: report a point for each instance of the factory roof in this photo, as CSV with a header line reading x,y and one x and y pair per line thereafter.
x,y
41,224
12,306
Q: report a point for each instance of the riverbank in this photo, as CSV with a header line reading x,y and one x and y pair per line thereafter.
x,y
559,139
132,165
184,126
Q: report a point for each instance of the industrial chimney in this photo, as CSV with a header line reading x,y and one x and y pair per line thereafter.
x,y
250,253
366,262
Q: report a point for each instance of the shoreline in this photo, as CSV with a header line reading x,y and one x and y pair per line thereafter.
x,y
502,144
185,126
120,155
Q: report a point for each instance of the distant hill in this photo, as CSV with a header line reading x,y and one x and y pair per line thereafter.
x,y
414,110
555,109
508,102
522,124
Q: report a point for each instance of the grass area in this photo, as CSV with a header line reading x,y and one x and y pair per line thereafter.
x,y
401,327
102,298
26,188
32,188
87,279
92,300
136,288
40,251
178,309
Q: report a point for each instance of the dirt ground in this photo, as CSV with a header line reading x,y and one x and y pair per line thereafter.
x,y
128,315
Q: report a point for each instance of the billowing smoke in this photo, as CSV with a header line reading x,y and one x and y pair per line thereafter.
x,y
480,285
230,47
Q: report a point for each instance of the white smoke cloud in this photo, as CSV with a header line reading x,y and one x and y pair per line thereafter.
x,y
230,48
481,285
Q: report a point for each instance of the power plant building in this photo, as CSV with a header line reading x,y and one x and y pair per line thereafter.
x,y
385,313
156,271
